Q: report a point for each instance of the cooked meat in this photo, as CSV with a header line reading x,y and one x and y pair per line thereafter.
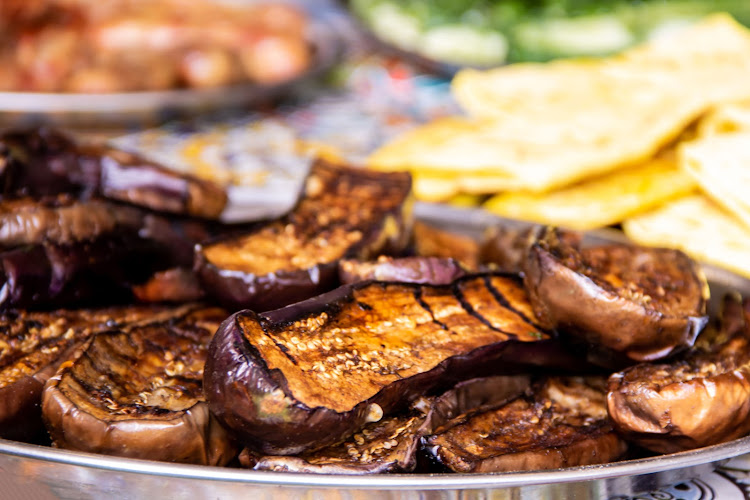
x,y
641,303
561,423
138,393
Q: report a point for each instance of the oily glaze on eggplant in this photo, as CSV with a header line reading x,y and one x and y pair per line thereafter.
x,y
642,304
343,213
138,394
61,220
34,344
42,162
391,444
428,270
172,285
701,400
94,272
313,373
430,241
561,423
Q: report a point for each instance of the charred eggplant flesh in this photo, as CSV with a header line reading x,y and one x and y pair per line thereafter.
x,y
700,400
138,393
344,212
641,303
312,374
561,423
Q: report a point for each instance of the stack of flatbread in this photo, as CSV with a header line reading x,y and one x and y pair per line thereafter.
x,y
656,138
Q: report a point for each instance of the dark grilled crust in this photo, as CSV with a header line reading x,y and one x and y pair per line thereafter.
x,y
344,213
386,446
309,375
139,394
642,304
34,344
537,431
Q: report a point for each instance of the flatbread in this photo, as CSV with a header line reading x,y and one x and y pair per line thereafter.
x,y
720,163
538,127
601,201
697,226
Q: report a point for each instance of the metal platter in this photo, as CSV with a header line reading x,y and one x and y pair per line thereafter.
x,y
41,473
129,109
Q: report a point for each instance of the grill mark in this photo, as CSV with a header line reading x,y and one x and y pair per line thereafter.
x,y
418,295
498,295
284,350
469,309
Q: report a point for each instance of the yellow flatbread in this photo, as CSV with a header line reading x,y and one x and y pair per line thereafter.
x,y
725,118
700,228
601,201
721,165
538,127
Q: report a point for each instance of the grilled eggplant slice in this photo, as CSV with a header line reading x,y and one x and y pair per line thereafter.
x,y
34,344
313,373
562,423
390,445
61,220
138,394
701,400
429,241
343,213
45,162
176,285
100,271
428,270
641,303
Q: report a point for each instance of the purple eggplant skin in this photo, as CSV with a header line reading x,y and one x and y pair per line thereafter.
x,y
371,212
61,220
256,404
44,161
86,273
428,270
238,289
136,393
364,453
34,344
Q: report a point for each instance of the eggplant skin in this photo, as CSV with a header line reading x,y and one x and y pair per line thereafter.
x,y
429,270
701,400
285,411
561,422
640,304
85,273
391,444
343,212
44,161
61,220
137,394
34,344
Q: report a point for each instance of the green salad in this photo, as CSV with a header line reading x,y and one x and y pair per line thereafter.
x,y
487,32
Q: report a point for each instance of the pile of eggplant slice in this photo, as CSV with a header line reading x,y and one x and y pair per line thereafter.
x,y
344,337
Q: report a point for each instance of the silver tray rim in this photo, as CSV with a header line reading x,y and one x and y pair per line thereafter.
x,y
155,105
470,219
